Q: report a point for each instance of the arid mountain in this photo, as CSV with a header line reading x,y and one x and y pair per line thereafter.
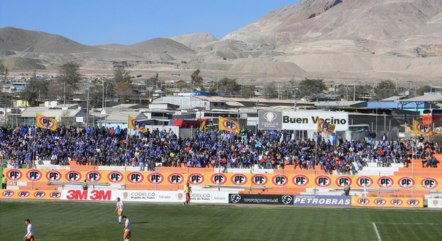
x,y
195,40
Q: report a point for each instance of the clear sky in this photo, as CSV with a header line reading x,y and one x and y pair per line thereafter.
x,y
129,21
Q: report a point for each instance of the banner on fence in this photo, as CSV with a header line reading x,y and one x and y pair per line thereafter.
x,y
261,199
434,202
390,202
31,194
322,201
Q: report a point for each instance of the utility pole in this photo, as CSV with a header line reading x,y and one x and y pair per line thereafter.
x,y
87,104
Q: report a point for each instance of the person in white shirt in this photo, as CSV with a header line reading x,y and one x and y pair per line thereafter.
x,y
127,228
29,231
119,209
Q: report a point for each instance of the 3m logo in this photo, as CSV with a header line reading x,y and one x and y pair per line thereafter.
x,y
218,178
115,176
429,183
364,181
380,201
343,181
323,181
413,202
259,179
300,180
406,182
385,181
39,194
73,176
239,179
55,195
23,194
176,178
93,176
53,176
155,178
8,193
196,179
34,175
280,180
94,195
135,177
363,201
14,174
396,202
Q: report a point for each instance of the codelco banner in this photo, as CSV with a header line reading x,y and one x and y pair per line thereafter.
x,y
435,202
269,120
323,201
308,120
260,199
391,202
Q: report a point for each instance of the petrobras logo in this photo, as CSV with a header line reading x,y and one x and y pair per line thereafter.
x,y
14,174
343,181
413,202
7,193
55,195
287,199
300,180
176,178
385,181
364,181
196,179
34,175
406,182
23,194
323,181
280,180
115,176
239,179
135,177
363,201
235,198
396,202
93,176
53,175
39,194
259,179
218,178
429,183
380,202
73,176
155,178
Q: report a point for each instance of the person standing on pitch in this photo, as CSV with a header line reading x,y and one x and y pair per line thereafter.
x,y
29,231
188,191
127,229
119,209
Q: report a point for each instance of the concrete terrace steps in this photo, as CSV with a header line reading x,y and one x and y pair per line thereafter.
x,y
373,170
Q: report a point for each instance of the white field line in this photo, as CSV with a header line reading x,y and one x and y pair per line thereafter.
x,y
412,223
377,232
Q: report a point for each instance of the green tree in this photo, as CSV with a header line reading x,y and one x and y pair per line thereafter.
x,y
385,89
34,89
423,89
311,87
197,80
226,85
121,75
270,91
247,91
69,76
123,84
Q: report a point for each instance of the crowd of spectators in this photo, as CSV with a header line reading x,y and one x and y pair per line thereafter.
x,y
266,149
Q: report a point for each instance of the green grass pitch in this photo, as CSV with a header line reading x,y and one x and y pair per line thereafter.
x,y
65,221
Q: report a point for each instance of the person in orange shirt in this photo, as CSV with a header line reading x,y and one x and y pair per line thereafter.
x,y
127,228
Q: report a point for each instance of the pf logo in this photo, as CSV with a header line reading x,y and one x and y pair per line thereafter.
x,y
280,180
176,178
239,179
343,181
14,175
380,201
364,181
363,201
34,175
196,179
39,194
218,178
323,181
135,177
385,182
23,194
429,183
396,202
155,178
53,176
300,180
55,195
115,177
73,176
8,193
413,202
93,176
406,182
259,179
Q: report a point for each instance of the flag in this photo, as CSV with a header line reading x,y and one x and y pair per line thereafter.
x,y
420,129
46,122
324,127
203,124
133,125
225,124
